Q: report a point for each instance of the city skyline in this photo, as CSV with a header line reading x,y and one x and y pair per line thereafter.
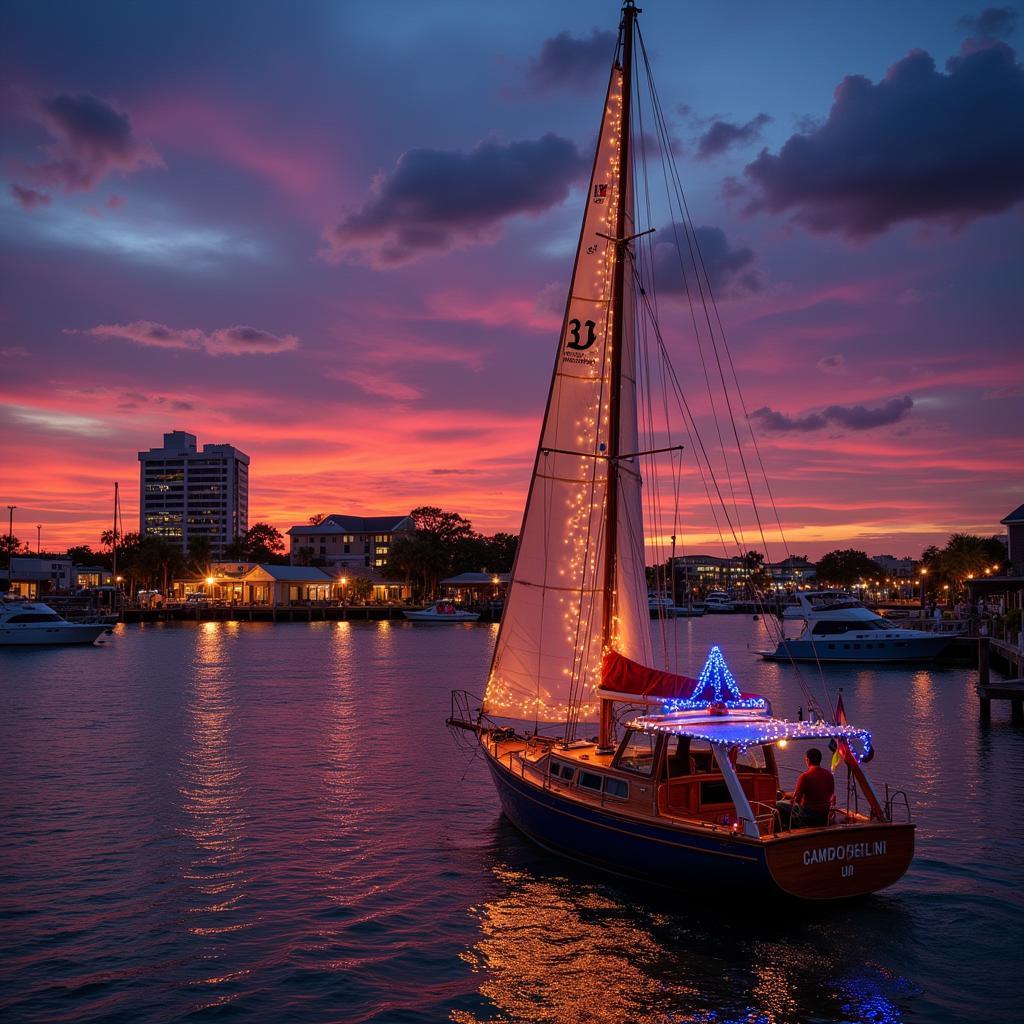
x,y
261,261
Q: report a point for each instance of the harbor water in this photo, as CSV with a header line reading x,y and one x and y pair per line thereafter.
x,y
249,821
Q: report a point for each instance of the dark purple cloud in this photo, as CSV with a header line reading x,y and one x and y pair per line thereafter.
x,y
918,145
29,198
435,200
992,23
90,140
233,341
723,134
729,269
849,417
835,365
566,62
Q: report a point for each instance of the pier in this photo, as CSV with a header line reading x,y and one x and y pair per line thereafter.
x,y
280,613
990,649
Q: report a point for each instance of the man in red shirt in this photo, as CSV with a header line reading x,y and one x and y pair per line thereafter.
x,y
812,799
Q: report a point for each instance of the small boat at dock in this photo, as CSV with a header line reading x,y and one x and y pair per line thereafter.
x,y
441,613
32,623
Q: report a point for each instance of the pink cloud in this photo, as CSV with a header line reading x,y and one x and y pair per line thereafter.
x,y
379,385
202,125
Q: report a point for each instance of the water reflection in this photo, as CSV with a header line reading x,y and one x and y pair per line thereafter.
x,y
213,816
557,946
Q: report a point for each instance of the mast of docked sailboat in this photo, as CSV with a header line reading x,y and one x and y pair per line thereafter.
x,y
113,546
611,529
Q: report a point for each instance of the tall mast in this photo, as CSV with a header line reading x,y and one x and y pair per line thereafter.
x,y
611,528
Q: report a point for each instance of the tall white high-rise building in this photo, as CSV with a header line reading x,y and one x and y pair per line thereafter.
x,y
185,493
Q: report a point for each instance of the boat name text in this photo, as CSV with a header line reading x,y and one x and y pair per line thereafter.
x,y
848,851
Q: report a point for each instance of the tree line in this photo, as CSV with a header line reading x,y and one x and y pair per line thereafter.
x,y
151,562
444,544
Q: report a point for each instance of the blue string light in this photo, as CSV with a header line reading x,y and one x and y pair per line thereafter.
x,y
716,685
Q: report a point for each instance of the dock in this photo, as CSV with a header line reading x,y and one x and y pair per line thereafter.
x,y
279,613
990,649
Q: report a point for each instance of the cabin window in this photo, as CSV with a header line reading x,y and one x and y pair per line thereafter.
x,y
752,759
702,757
678,761
617,787
714,793
34,617
562,771
637,754
588,780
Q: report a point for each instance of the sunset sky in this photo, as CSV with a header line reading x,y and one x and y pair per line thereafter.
x,y
338,236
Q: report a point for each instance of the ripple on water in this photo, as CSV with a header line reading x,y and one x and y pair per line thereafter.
x,y
271,822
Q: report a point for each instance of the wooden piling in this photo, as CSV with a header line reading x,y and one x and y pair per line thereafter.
x,y
985,702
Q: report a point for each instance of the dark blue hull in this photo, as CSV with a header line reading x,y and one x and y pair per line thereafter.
x,y
623,846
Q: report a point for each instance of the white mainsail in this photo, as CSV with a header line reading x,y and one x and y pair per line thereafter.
x,y
548,656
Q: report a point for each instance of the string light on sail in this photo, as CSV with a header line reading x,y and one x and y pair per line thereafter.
x,y
716,685
548,659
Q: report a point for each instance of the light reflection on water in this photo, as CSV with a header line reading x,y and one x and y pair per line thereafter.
x,y
271,821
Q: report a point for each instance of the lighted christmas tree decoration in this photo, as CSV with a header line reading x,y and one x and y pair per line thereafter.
x,y
717,685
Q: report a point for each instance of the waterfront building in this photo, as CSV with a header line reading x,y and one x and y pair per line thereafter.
x,y
1014,524
347,542
185,493
791,572
1004,588
280,586
91,577
711,572
475,587
897,568
34,577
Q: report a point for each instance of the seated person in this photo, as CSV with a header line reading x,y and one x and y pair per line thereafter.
x,y
809,803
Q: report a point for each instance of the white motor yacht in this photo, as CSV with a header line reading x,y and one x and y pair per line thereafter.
x,y
837,627
719,602
24,623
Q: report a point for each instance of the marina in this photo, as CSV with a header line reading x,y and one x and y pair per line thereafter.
x,y
513,514
238,846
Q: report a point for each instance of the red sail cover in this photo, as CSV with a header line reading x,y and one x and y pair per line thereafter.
x,y
620,675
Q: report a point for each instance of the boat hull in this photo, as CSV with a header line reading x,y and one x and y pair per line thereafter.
x,y
840,649
842,861
441,619
50,636
813,864
646,852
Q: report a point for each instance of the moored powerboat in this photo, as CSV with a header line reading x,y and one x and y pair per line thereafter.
x,y
31,623
718,602
441,612
837,627
661,606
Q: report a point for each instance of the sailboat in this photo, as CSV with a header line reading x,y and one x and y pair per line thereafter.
x,y
678,785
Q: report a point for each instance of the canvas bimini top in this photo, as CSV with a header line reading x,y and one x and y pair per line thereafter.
x,y
714,709
744,729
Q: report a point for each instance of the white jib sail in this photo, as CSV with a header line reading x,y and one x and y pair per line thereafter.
x,y
550,645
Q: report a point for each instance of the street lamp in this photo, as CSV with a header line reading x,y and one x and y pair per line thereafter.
x,y
39,540
924,572
344,580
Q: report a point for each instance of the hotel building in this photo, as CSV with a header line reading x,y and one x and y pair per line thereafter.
x,y
185,493
347,542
